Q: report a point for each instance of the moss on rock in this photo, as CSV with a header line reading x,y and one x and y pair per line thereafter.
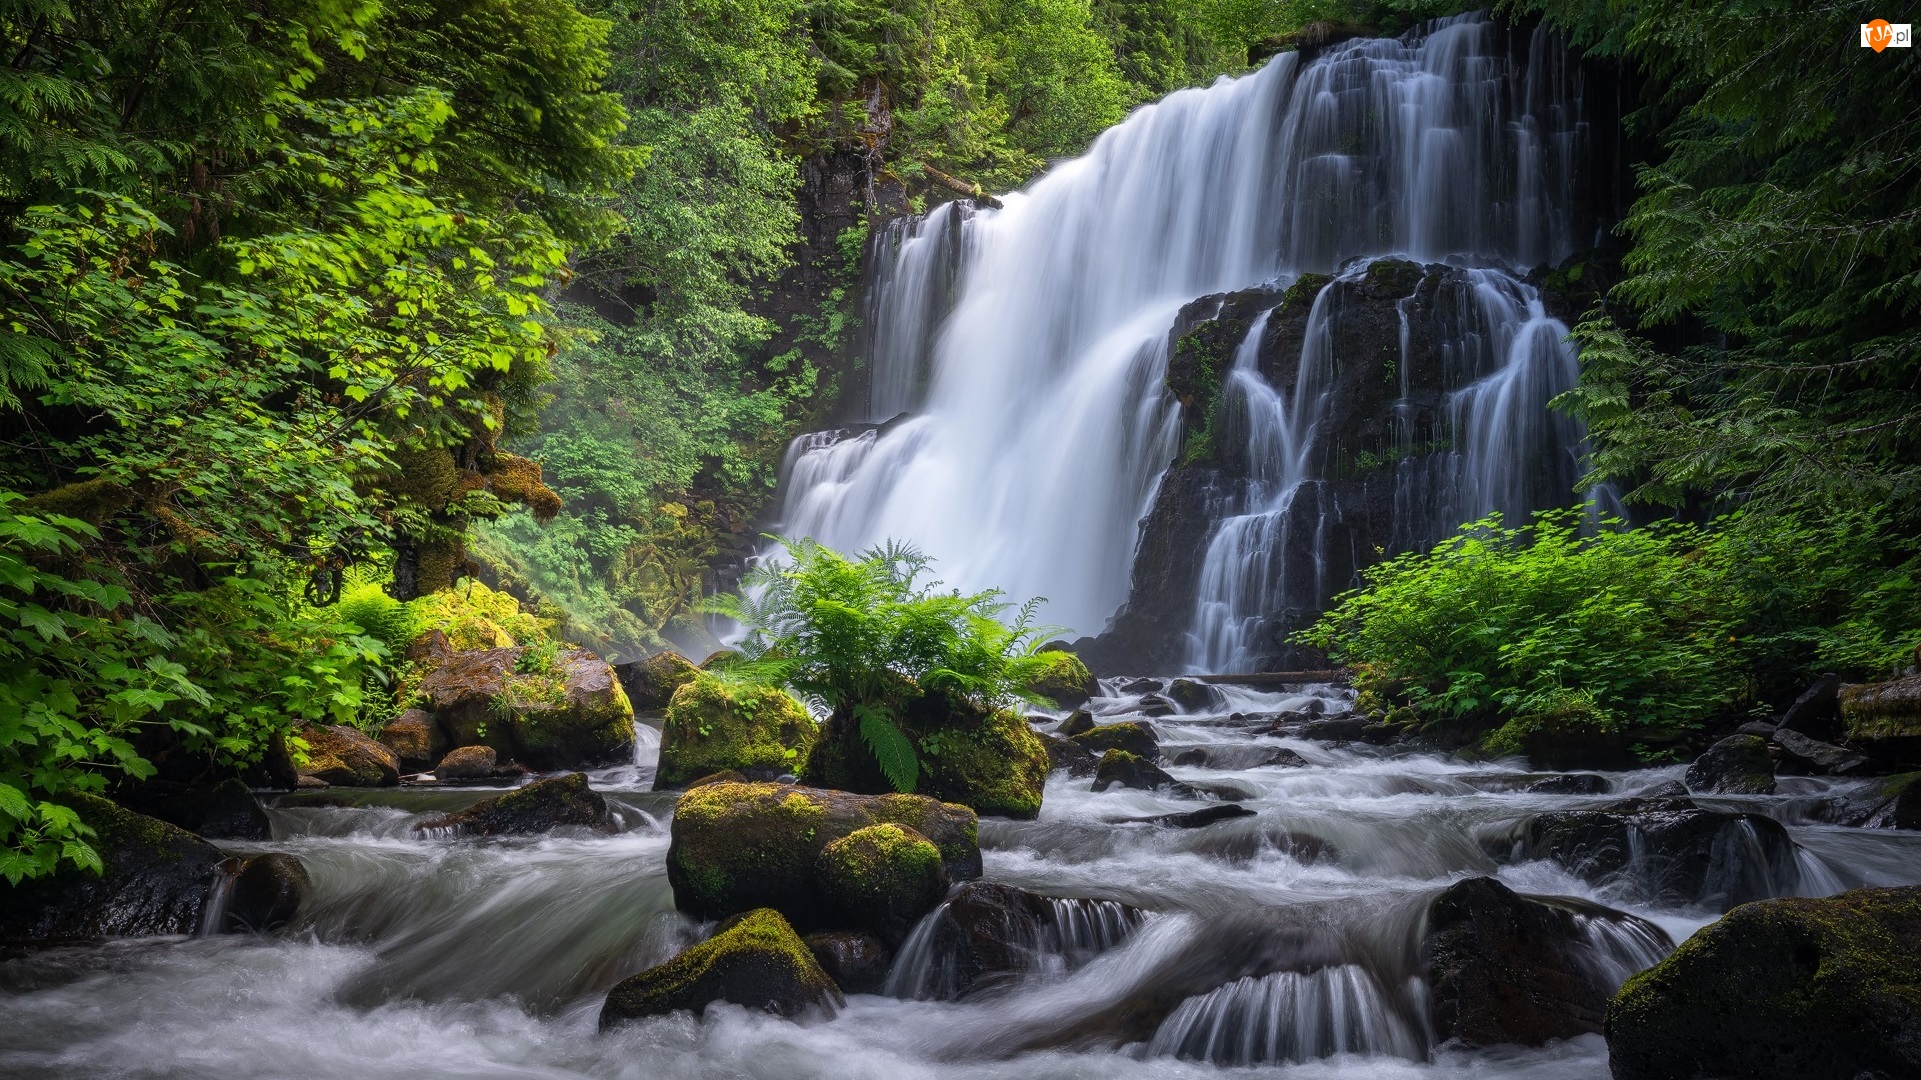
x,y
1134,736
1883,710
712,727
883,878
1067,682
737,847
986,759
651,683
1811,989
155,880
572,714
758,963
538,807
343,757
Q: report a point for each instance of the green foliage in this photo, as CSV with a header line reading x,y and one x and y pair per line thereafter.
x,y
1653,630
866,635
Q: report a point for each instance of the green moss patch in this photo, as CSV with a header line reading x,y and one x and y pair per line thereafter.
x,y
882,878
757,962
711,727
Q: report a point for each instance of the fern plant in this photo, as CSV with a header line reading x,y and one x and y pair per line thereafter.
x,y
865,635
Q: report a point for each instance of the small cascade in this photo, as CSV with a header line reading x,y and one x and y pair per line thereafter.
x,y
213,914
1074,931
1289,1017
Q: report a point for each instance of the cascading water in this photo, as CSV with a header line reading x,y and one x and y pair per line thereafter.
x,y
1030,343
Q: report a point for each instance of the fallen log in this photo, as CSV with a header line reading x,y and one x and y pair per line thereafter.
x,y
1266,680
959,186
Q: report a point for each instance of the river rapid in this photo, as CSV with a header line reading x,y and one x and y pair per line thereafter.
x,y
419,955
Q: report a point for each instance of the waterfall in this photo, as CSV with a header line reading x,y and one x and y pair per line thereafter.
x,y
1029,344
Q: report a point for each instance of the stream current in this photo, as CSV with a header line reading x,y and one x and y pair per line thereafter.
x,y
419,955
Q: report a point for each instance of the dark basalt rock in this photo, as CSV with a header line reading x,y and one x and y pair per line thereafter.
x,y
1817,712
1134,736
536,808
1338,729
1067,754
1667,851
267,893
856,960
758,963
1898,803
1812,755
1505,968
1118,767
1200,819
650,683
987,932
1737,765
1572,784
226,811
1284,758
1803,989
990,760
1195,757
1193,696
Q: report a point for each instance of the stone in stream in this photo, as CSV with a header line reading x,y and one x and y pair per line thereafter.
x,y
1884,719
987,932
267,893
339,756
1066,682
1285,758
1078,721
1134,736
651,683
987,759
1815,756
1505,968
1200,819
1737,765
415,740
1193,696
1194,758
882,878
1898,803
1338,729
1118,767
742,846
467,763
1067,754
1824,989
538,807
710,726
856,960
1666,850
572,715
1572,784
757,962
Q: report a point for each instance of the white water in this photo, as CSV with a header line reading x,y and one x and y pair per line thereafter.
x,y
1030,342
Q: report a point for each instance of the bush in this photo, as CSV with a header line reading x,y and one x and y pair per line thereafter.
x,y
866,636
1648,631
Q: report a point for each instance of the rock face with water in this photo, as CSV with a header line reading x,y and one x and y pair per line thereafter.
x,y
1808,989
709,727
575,714
989,932
758,962
650,683
987,759
536,808
742,846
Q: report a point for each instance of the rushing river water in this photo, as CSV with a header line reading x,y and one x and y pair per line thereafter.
x,y
428,956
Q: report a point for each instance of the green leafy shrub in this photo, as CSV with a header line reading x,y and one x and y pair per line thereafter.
x,y
1648,631
866,636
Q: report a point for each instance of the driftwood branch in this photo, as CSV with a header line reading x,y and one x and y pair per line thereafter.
x,y
959,187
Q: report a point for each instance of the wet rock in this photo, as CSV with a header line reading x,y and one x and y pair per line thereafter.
x,y
1760,728
1883,710
650,684
1737,765
1067,682
1663,851
1134,736
572,714
1140,686
1154,705
1282,757
742,846
1380,733
758,731
415,740
1118,767
988,759
1817,712
987,932
156,878
267,893
856,960
1338,729
535,808
1200,819
725,776
1194,758
882,878
1067,754
227,810
1897,803
342,757
1193,696
758,963
1572,784
467,763
1504,968
1078,721
1805,989
1815,756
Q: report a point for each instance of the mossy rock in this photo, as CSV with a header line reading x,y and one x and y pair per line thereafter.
x,y
535,808
1120,768
1898,803
650,683
1737,765
1067,682
987,759
1811,989
156,878
1134,736
737,847
414,739
883,878
758,963
343,757
1883,710
572,715
712,727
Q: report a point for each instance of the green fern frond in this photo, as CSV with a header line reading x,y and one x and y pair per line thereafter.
x,y
892,749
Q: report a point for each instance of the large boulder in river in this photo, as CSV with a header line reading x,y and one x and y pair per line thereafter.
x,y
1505,968
1134,736
883,877
538,807
980,757
1067,682
710,726
1737,765
651,683
155,879
1817,712
1788,989
415,740
1897,803
1122,769
738,846
758,962
1884,719
558,710
1665,851
227,810
342,757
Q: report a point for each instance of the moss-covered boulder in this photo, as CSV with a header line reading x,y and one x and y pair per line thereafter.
x,y
737,847
710,726
987,759
1897,803
340,756
547,711
883,878
1067,682
415,740
1737,765
467,763
1118,768
758,963
542,805
1883,710
1806,989
650,683
1134,736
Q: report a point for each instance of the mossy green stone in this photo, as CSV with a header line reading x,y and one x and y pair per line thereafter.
x,y
711,727
882,878
758,962
1066,682
1884,710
